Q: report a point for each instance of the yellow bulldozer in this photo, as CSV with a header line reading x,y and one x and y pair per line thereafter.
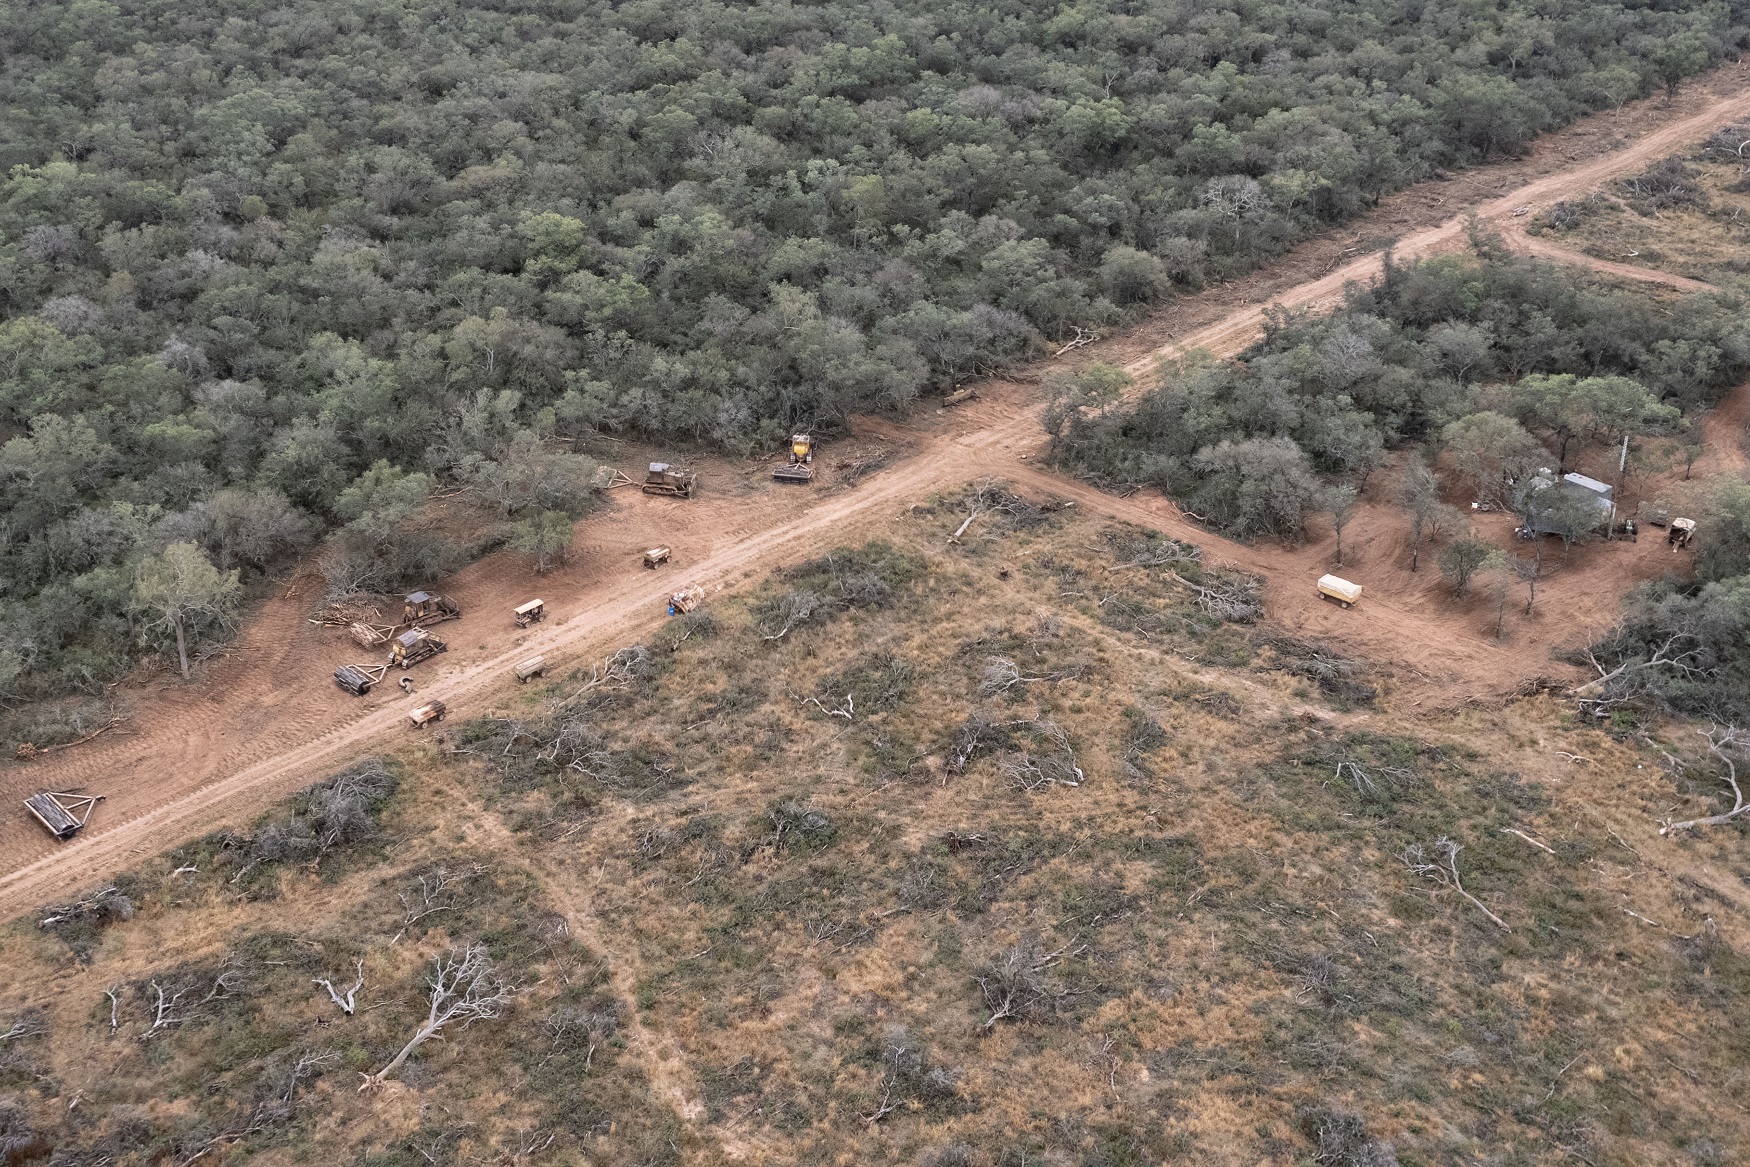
x,y
420,608
413,646
669,480
799,466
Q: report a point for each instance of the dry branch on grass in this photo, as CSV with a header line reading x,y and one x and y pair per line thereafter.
x,y
1017,983
1053,765
29,1023
627,665
349,1001
465,988
1365,782
164,1006
1443,870
1722,743
228,980
847,710
1234,602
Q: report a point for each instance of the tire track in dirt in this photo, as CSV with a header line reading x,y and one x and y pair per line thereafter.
x,y
1544,249
266,721
1725,431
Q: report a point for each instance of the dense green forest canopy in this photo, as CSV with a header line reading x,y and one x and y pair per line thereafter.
x,y
251,252
1511,363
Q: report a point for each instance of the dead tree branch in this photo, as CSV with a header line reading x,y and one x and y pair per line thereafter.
x,y
1002,674
1722,743
1236,603
887,1105
433,893
1017,985
465,988
794,609
846,711
349,1002
164,1009
632,663
1443,870
228,980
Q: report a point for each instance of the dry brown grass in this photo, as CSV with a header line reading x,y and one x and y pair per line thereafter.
x,y
782,892
1704,235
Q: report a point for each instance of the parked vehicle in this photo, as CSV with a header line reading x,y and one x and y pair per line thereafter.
x,y
413,646
670,481
1341,590
426,714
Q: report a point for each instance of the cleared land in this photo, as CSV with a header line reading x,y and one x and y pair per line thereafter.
x,y
265,720
1013,850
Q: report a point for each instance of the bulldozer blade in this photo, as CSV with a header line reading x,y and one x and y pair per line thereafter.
x,y
798,474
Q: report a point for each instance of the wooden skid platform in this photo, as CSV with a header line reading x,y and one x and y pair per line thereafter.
x,y
62,814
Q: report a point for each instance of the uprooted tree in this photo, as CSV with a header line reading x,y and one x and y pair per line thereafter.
x,y
465,988
1724,744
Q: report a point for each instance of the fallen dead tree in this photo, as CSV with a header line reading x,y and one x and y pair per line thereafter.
x,y
626,666
1051,761
992,496
1722,743
1235,601
464,988
1017,983
1442,870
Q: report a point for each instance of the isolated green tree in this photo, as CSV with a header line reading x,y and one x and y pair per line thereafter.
x,y
1419,494
1493,450
180,594
545,536
1339,501
1461,560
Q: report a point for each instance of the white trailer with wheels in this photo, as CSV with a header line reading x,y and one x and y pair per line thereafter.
x,y
1336,588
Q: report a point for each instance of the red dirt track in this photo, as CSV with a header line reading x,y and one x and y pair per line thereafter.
x,y
266,719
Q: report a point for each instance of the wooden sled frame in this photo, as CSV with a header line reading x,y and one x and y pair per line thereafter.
x,y
62,813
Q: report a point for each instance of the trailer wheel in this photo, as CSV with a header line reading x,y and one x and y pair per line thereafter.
x,y
441,716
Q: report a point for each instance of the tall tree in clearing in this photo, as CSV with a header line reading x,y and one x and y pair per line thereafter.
x,y
179,593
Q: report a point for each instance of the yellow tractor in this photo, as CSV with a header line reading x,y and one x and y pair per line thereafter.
x,y
428,608
799,466
670,481
413,646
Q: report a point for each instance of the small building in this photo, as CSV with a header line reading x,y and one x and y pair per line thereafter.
x,y
1547,495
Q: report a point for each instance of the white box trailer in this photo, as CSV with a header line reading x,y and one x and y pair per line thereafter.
x,y
1339,589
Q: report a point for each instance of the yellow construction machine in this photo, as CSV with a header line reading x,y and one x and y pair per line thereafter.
x,y
799,466
669,480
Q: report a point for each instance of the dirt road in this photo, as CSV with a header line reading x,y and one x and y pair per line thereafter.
x,y
266,719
